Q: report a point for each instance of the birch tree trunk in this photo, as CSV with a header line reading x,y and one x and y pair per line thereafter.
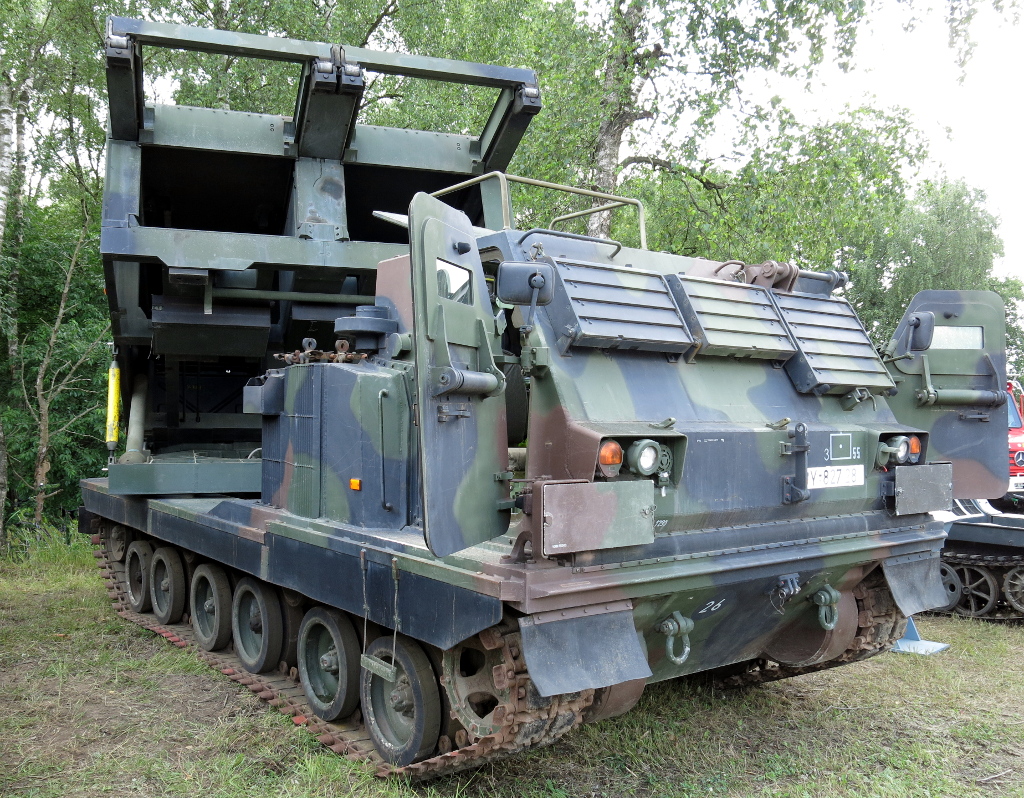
x,y
7,125
8,152
625,70
16,198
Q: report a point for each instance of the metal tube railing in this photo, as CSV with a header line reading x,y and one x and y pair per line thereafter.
x,y
506,216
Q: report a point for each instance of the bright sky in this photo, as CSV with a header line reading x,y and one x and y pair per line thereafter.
x,y
918,71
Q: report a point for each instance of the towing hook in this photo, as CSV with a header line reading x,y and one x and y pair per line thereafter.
x,y
827,600
672,626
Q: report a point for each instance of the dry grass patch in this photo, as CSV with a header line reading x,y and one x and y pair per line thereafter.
x,y
95,706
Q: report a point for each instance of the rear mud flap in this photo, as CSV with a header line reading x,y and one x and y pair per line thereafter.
x,y
915,582
581,653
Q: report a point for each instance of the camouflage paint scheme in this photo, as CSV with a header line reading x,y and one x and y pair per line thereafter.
x,y
752,383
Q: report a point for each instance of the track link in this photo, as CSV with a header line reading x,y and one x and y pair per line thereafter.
x,y
529,720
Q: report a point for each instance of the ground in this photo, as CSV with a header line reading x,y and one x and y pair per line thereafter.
x,y
92,705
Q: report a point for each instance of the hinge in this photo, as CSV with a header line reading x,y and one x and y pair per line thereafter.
x,y
450,411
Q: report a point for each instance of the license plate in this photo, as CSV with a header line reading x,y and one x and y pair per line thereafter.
x,y
1017,484
835,476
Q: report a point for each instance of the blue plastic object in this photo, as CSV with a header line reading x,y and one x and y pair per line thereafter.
x,y
911,642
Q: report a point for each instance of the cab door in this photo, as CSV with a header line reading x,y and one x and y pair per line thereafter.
x,y
463,445
948,360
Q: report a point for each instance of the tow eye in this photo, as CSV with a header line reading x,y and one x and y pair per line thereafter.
x,y
672,626
828,613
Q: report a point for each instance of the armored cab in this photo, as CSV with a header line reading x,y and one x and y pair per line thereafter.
x,y
950,383
443,489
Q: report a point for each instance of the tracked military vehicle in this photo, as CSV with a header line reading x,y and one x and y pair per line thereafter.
x,y
983,561
983,557
442,489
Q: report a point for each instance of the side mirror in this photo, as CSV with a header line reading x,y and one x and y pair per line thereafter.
x,y
525,283
922,329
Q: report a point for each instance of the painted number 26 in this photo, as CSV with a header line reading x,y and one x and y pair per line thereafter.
x,y
711,606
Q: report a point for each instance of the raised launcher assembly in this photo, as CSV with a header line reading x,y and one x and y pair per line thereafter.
x,y
536,472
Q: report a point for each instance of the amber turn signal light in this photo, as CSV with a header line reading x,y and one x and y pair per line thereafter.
x,y
611,453
915,449
609,459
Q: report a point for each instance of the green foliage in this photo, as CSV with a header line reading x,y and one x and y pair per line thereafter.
x,y
801,195
662,75
944,239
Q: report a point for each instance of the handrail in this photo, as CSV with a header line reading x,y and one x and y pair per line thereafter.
x,y
506,203
611,206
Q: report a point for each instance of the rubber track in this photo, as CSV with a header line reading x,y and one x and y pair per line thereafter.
x,y
880,624
530,721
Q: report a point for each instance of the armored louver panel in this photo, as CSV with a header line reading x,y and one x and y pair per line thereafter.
x,y
834,354
611,307
732,319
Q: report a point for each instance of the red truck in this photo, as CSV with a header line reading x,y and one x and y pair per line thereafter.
x,y
1015,496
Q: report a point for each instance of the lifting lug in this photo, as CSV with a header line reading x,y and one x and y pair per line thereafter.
x,y
828,613
672,626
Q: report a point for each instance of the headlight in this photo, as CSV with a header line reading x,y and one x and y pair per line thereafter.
x,y
898,450
643,456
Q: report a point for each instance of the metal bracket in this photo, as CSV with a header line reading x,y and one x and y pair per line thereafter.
x,y
794,488
451,412
535,359
855,397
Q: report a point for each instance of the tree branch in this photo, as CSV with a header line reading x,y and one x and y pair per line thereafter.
x,y
675,168
389,9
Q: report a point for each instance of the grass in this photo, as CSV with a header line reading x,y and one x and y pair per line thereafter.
x,y
95,706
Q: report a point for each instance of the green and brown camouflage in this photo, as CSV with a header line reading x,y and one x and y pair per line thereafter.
x,y
646,465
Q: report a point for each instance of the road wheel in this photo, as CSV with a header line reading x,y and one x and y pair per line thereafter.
x,y
136,575
167,585
403,717
210,598
328,652
952,585
1013,588
980,593
256,625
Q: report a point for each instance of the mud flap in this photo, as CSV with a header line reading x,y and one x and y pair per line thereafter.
x,y
915,582
581,653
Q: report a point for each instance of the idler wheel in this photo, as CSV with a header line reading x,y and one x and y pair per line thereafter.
x,y
1013,588
167,585
256,625
136,575
952,585
403,717
980,593
328,653
210,598
118,538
